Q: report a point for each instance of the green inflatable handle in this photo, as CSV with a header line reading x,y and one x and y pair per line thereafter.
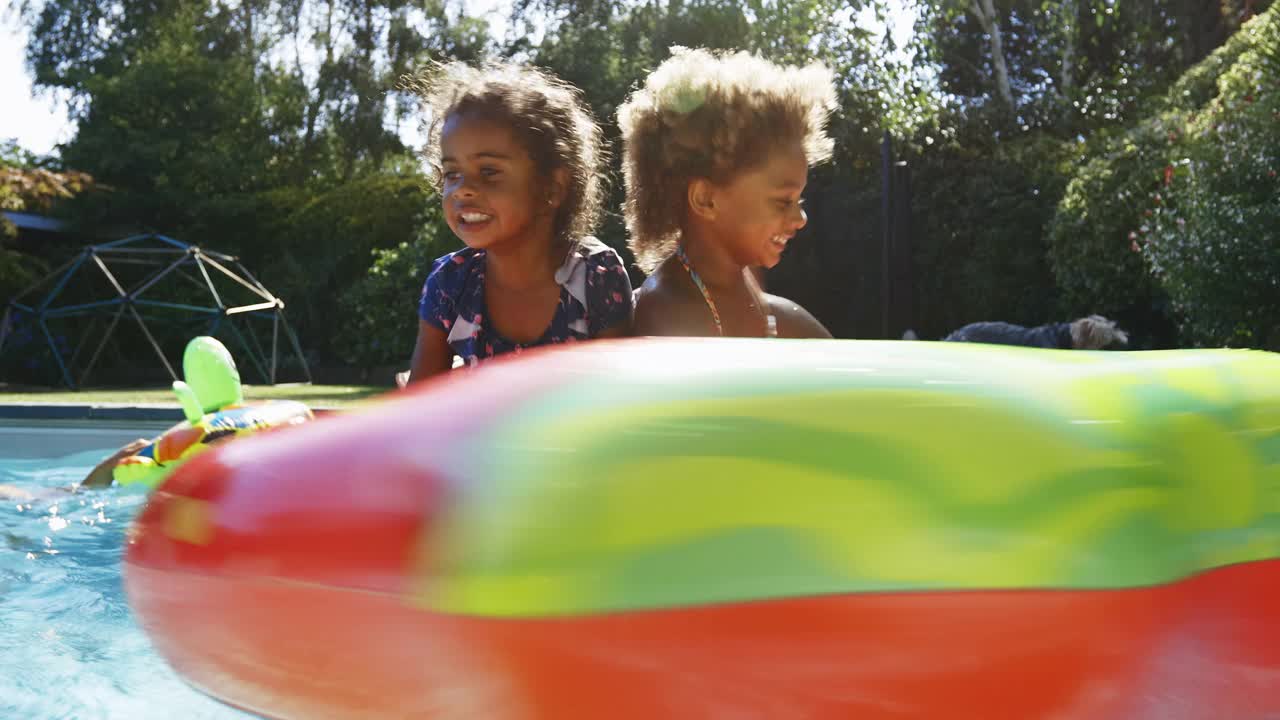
x,y
191,408
212,380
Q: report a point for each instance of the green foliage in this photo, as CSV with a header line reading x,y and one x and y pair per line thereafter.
x,y
379,312
326,116
12,155
1092,237
17,271
1213,238
1121,241
979,215
1073,66
172,135
321,245
270,129
28,184
267,129
1023,209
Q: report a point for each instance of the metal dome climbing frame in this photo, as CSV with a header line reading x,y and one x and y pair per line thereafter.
x,y
159,257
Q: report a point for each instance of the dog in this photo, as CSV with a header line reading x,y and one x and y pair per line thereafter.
x,y
1087,333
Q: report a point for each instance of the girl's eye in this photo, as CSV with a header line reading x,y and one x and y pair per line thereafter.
x,y
451,175
489,171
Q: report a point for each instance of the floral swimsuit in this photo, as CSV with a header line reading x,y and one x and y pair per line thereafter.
x,y
595,294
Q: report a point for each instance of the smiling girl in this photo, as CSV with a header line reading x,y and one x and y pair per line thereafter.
x,y
716,154
519,163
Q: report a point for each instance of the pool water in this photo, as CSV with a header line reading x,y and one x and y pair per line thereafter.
x,y
69,646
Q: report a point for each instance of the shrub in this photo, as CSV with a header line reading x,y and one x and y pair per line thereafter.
x,y
379,312
319,246
1213,233
1095,261
979,218
1159,222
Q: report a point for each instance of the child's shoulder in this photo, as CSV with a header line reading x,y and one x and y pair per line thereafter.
x,y
457,263
596,252
664,308
592,259
794,321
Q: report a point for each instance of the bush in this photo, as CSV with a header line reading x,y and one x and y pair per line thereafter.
x,y
979,216
321,243
379,312
28,184
25,355
1095,260
1101,247
1213,239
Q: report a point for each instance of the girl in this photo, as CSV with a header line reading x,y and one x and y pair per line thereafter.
x,y
716,152
519,162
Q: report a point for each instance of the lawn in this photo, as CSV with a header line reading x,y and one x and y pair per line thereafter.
x,y
318,396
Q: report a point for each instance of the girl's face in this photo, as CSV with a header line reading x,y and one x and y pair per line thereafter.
x,y
493,195
759,210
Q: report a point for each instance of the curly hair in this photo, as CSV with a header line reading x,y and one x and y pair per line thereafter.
x,y
1096,332
547,115
705,114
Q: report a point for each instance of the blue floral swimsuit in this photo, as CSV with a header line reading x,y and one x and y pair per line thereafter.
x,y
595,294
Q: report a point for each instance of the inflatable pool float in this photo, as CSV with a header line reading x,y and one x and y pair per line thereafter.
x,y
213,403
698,528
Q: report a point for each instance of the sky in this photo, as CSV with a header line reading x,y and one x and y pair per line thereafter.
x,y
39,122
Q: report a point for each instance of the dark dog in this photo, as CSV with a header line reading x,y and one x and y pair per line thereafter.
x,y
1089,333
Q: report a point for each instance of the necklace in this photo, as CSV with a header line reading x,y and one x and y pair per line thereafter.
x,y
771,323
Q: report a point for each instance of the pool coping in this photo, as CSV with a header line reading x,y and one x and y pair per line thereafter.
x,y
100,411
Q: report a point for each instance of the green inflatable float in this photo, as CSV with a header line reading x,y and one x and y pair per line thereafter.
x,y
213,403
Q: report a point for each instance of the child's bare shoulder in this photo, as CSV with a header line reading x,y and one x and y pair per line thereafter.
x,y
794,321
663,308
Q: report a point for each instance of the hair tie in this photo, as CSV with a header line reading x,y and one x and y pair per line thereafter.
x,y
683,98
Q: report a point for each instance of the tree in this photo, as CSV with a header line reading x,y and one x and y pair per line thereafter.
x,y
172,134
237,123
324,72
1211,231
28,184
1069,66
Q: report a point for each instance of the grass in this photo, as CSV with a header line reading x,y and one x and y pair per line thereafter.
x,y
313,395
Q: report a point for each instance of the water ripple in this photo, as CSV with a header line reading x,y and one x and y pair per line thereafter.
x,y
70,647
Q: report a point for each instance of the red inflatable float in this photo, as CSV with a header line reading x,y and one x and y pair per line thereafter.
x,y
718,528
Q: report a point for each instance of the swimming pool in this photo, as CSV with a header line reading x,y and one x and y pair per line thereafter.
x,y
69,647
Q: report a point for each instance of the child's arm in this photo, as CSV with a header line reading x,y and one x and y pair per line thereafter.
x,y
431,353
100,476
